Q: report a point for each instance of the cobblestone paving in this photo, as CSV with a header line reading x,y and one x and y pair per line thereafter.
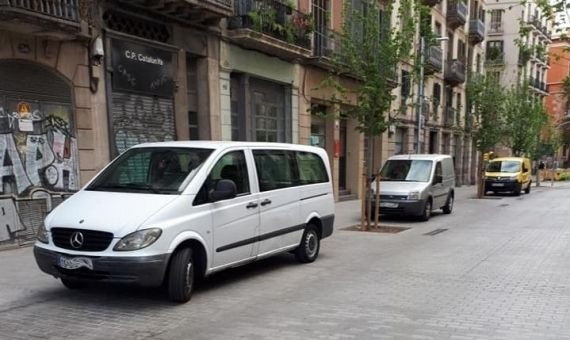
x,y
500,271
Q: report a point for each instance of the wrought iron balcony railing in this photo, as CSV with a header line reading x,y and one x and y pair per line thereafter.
x,y
275,19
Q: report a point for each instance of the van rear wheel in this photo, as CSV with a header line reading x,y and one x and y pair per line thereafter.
x,y
308,250
181,276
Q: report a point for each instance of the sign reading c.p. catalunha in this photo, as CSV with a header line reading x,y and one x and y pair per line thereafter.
x,y
141,68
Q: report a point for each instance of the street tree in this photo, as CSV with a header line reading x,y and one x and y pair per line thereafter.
x,y
371,47
486,98
525,118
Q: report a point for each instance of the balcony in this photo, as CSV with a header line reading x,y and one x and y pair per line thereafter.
x,y
433,60
455,72
476,31
495,58
272,27
56,18
201,12
456,14
496,27
431,3
449,114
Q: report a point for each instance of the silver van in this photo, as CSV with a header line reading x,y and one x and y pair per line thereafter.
x,y
415,185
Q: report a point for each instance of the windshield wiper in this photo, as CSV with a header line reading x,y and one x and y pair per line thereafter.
x,y
129,186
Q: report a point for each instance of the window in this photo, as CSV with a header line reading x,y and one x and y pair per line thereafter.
x,y
311,168
438,171
438,29
318,131
495,50
193,125
275,169
405,88
406,170
436,95
399,143
232,166
478,65
461,50
151,170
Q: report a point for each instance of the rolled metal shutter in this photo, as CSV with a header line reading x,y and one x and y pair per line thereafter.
x,y
139,119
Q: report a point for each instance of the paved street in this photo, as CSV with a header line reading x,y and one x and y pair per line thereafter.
x,y
501,270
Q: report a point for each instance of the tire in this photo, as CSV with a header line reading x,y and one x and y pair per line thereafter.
x,y
73,284
181,276
448,207
308,249
527,190
517,191
426,214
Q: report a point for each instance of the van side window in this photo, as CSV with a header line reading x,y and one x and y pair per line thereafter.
x,y
311,168
231,166
276,169
438,171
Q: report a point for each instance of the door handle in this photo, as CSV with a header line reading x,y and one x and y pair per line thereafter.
x,y
265,202
251,205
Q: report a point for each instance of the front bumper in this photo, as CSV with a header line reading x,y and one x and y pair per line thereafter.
x,y
502,186
402,207
144,270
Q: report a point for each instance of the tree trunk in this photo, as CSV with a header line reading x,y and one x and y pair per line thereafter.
x,y
369,171
363,202
481,179
377,202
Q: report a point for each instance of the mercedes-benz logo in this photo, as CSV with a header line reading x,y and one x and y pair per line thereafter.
x,y
76,240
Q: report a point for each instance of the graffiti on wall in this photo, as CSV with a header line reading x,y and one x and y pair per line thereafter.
x,y
38,164
141,119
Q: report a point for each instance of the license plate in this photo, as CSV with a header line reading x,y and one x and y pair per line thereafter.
x,y
388,205
497,185
75,262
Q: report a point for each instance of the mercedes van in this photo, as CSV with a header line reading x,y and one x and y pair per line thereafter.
x,y
415,185
508,174
167,213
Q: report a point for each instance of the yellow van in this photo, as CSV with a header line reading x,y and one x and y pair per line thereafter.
x,y
508,174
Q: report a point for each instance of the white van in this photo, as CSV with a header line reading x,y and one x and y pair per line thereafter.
x,y
169,212
415,185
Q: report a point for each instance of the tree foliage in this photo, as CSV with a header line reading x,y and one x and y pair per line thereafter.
x,y
370,51
486,97
525,118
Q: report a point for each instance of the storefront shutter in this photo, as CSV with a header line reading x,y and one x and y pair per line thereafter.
x,y
139,119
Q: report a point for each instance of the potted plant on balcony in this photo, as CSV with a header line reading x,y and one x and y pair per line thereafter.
x,y
302,27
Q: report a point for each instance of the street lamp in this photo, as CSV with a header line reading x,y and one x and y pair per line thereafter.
x,y
421,88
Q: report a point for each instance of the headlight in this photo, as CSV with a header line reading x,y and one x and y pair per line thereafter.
x,y
414,195
138,240
42,234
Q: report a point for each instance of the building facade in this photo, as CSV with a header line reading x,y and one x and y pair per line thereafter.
x,y
557,102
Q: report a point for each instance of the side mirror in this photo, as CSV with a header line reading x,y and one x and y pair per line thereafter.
x,y
438,179
225,190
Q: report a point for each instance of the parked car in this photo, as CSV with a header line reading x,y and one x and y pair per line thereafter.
x,y
508,174
170,212
415,185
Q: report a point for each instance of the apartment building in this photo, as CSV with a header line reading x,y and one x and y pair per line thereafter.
x,y
511,61
557,102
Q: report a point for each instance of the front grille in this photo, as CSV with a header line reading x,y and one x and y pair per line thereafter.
x,y
92,240
393,197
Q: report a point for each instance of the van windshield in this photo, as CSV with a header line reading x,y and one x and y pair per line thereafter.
x,y
504,166
406,170
151,170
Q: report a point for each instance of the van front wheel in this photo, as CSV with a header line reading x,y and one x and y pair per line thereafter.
x,y
181,276
426,214
308,250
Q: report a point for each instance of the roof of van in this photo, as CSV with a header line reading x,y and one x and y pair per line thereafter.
x,y
508,159
210,144
430,157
